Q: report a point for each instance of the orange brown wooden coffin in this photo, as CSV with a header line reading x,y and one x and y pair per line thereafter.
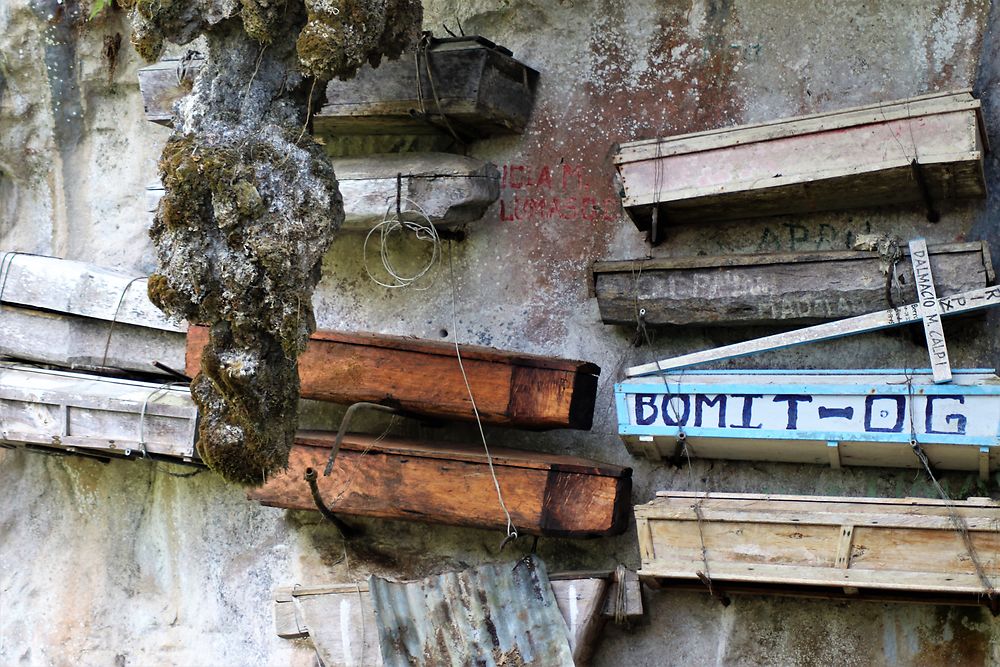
x,y
422,377
450,483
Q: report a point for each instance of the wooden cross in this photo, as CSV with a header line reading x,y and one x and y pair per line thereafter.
x,y
930,311
964,302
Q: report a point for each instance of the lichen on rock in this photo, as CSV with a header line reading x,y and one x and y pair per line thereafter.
x,y
251,205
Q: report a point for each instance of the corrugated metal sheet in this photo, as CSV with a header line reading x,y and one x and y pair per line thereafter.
x,y
501,615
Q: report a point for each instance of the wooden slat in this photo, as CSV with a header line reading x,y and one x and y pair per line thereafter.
x,y
860,158
781,288
451,484
905,545
449,189
481,88
344,618
526,391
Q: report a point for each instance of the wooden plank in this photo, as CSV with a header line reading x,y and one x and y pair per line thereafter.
x,y
859,158
822,417
451,484
512,389
908,545
481,89
930,313
79,288
344,632
781,288
964,302
86,343
90,412
450,190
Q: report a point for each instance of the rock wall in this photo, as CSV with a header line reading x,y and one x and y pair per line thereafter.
x,y
127,563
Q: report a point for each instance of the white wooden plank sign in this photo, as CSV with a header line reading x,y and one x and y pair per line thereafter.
x,y
858,417
930,311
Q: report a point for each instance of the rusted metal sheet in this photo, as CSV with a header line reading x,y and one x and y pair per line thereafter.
x,y
922,149
494,615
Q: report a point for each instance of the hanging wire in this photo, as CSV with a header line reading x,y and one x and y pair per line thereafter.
x,y
393,222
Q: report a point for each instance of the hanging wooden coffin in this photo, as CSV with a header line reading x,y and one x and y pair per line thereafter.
x,y
451,483
100,415
784,289
831,417
830,161
422,377
340,618
877,548
476,85
449,189
82,316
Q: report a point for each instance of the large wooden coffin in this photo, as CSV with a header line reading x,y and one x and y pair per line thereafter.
x,y
781,288
340,618
422,377
880,548
825,417
481,89
849,158
81,316
449,189
95,414
451,483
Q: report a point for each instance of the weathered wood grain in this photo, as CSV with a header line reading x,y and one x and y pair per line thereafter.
x,y
856,157
930,312
423,377
778,543
340,618
780,288
449,189
73,411
451,483
482,90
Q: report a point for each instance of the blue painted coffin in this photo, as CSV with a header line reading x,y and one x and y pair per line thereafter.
x,y
857,417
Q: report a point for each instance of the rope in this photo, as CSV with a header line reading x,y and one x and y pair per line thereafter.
x,y
422,231
114,319
620,595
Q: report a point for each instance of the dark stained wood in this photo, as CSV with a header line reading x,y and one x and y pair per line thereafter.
x,y
449,483
481,88
783,288
423,377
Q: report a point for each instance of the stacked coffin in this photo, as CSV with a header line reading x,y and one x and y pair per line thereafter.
x,y
922,150
438,482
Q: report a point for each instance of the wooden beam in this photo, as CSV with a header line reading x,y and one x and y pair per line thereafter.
x,y
789,289
884,319
423,377
451,483
930,312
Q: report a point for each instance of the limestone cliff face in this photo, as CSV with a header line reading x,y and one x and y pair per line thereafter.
x,y
251,203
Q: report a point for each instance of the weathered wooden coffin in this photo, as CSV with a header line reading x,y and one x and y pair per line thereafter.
x,y
449,189
780,288
879,548
855,157
81,316
825,417
422,377
90,413
345,633
481,89
450,483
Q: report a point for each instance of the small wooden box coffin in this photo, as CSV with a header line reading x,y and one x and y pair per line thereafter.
x,y
450,483
481,89
781,288
829,161
340,618
881,548
82,316
825,417
449,189
99,415
422,377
